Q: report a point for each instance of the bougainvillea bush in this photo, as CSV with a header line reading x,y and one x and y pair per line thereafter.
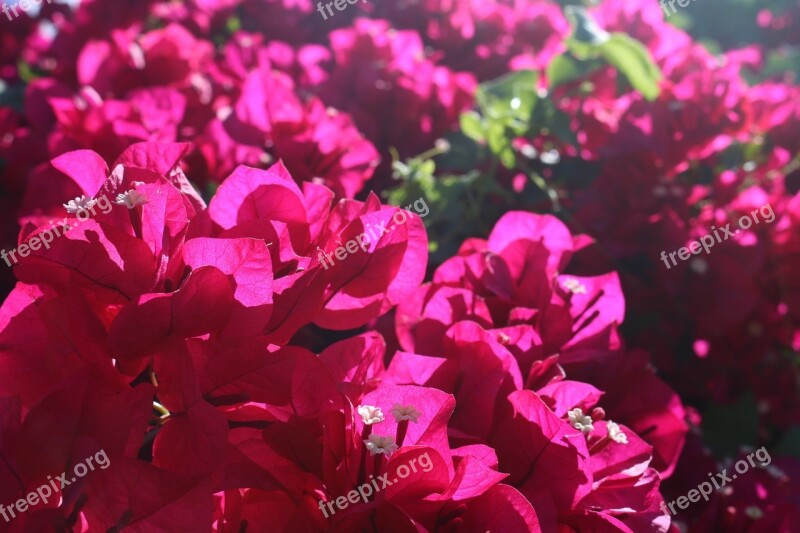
x,y
432,266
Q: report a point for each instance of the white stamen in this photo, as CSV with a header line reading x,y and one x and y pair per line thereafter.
x,y
405,412
131,199
380,444
615,433
80,203
580,421
574,286
370,414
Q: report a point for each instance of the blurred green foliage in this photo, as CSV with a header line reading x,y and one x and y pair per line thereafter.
x,y
491,165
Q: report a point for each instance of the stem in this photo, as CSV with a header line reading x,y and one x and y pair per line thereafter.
x,y
376,467
402,429
136,220
599,445
433,152
362,465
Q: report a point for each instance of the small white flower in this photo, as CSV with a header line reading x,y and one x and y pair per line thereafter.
x,y
574,286
405,412
615,433
79,203
775,472
580,421
550,157
529,151
698,265
131,199
754,512
380,444
370,414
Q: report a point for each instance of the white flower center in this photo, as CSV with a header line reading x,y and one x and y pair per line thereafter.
x,y
380,444
405,412
131,199
370,414
580,421
574,286
615,433
80,203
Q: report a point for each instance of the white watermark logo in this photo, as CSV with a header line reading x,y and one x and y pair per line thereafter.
x,y
708,241
682,3
365,491
44,492
720,480
373,234
24,5
340,5
81,207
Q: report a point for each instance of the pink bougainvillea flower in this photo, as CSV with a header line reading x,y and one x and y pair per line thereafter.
x,y
552,324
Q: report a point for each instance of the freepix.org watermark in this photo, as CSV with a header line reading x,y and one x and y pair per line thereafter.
x,y
43,493
371,233
720,479
24,5
365,491
81,207
682,3
340,5
708,241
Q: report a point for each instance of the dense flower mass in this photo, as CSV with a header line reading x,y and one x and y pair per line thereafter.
x,y
436,265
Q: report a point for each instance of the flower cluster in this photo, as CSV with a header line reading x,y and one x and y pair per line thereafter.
x,y
534,359
188,309
709,150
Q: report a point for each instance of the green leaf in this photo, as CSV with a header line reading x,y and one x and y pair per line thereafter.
x,y
500,144
627,55
26,72
509,98
464,153
779,62
12,96
727,427
549,117
471,126
790,443
563,70
584,27
210,191
234,24
560,124
633,60
511,85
